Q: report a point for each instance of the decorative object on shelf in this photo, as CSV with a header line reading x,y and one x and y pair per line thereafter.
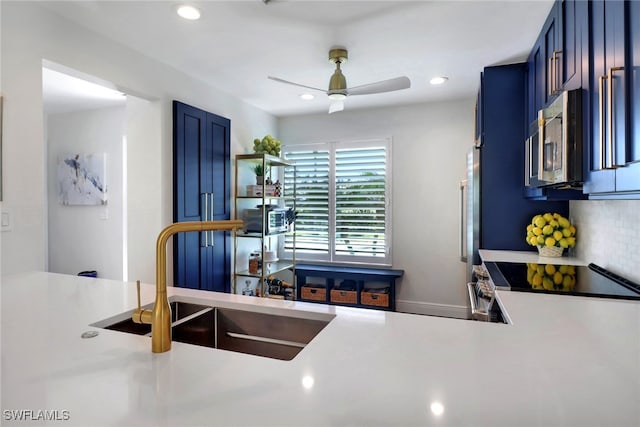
x,y
551,233
551,277
260,171
268,145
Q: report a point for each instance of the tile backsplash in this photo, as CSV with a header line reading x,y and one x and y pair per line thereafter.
x,y
609,234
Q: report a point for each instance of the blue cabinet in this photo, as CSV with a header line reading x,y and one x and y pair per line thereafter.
x,y
504,208
556,60
613,88
573,31
628,177
201,179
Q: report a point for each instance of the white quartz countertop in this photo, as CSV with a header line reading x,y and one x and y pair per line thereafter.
x,y
566,361
527,256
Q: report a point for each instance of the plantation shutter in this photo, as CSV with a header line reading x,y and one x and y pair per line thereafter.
x,y
360,202
312,202
343,195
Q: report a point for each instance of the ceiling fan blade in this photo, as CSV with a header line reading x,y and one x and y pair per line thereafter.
x,y
379,87
295,84
336,106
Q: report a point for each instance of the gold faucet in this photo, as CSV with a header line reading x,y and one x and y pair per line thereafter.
x,y
160,316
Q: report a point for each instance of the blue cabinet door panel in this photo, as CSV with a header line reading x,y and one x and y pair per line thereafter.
x,y
504,212
202,260
220,167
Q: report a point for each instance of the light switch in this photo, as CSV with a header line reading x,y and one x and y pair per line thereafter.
x,y
5,221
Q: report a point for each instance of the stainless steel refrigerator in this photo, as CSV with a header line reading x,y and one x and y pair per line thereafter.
x,y
470,212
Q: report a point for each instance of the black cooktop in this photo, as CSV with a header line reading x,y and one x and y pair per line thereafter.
x,y
590,280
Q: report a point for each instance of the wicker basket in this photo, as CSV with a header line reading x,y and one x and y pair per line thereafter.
x,y
550,251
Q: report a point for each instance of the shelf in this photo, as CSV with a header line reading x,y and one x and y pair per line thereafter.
x,y
259,235
276,267
268,159
249,194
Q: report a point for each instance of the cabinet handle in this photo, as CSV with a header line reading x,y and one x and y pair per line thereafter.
x,y
211,210
556,74
601,117
205,216
550,76
611,161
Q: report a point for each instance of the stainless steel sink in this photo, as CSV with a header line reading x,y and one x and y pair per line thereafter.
x,y
277,336
179,310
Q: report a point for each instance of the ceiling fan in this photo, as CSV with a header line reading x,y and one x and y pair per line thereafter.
x,y
338,89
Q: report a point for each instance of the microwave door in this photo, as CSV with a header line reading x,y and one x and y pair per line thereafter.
x,y
553,153
533,156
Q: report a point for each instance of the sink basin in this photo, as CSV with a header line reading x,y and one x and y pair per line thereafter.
x,y
278,336
179,311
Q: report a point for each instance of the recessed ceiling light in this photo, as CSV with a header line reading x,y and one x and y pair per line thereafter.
x,y
188,12
438,80
307,96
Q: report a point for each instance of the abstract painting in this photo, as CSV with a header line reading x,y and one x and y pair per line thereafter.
x,y
81,179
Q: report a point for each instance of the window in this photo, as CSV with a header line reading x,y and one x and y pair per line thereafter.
x,y
343,199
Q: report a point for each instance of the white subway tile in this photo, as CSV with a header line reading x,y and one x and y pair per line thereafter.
x,y
608,234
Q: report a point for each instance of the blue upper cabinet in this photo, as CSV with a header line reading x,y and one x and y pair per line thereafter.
x,y
613,158
554,65
628,177
573,30
556,60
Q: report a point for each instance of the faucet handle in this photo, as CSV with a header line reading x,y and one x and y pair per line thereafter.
x,y
140,315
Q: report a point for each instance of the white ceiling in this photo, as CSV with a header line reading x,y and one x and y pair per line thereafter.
x,y
237,44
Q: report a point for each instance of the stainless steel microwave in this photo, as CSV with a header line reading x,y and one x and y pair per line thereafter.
x,y
278,220
554,146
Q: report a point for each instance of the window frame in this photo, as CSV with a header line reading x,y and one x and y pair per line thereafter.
x,y
331,257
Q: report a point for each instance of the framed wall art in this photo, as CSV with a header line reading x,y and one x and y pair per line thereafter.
x,y
82,179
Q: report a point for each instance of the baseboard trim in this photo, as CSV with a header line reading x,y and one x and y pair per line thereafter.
x,y
433,309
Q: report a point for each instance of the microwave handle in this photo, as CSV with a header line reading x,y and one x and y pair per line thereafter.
x,y
611,163
541,145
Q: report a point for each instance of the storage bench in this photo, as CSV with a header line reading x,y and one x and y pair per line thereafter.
x,y
350,286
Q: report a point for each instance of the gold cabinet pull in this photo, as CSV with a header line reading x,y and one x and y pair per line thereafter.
x,y
556,74
601,117
611,158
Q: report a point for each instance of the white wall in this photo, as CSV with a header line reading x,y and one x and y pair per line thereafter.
x,y
430,142
609,234
87,237
29,35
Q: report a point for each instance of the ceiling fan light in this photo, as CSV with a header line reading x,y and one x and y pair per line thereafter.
x,y
188,12
307,96
337,96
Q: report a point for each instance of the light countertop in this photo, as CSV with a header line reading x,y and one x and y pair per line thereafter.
x,y
567,361
527,256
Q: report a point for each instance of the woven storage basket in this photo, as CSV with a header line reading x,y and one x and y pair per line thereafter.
x,y
552,251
